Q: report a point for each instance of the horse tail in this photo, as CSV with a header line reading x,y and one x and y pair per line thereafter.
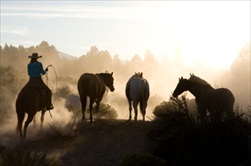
x,y
83,85
127,91
20,114
227,103
230,105
144,97
142,104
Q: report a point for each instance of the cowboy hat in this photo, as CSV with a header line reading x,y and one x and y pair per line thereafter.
x,y
35,56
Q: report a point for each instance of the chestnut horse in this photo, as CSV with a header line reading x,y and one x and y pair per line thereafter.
x,y
93,86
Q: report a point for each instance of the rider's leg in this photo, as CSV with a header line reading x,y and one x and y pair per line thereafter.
x,y
49,105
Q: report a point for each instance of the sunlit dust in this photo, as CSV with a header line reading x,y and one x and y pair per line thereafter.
x,y
202,34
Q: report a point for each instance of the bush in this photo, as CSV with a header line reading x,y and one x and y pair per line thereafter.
x,y
105,112
21,157
73,104
178,138
11,83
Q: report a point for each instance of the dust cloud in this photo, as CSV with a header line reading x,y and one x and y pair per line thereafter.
x,y
162,76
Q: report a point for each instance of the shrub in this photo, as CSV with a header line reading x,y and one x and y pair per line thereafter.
x,y
73,104
105,112
21,157
178,138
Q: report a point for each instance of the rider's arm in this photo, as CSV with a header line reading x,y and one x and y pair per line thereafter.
x,y
42,71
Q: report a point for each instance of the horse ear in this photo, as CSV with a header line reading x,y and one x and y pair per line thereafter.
x,y
141,74
111,73
181,78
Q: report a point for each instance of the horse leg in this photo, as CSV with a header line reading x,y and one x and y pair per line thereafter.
x,y
29,119
202,114
42,118
20,117
215,115
229,110
130,109
83,102
34,122
143,109
91,104
98,103
135,104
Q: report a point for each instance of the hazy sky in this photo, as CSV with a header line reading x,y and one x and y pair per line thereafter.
x,y
201,31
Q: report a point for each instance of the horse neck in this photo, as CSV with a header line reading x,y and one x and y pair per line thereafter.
x,y
102,76
197,89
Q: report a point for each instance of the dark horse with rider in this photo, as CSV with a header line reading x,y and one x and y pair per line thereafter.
x,y
35,95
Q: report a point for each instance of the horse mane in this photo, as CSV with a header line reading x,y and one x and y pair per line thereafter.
x,y
104,75
197,79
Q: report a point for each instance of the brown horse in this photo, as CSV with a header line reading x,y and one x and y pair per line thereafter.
x,y
30,100
137,92
93,86
216,101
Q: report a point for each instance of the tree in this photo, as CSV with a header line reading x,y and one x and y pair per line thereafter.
x,y
150,63
49,52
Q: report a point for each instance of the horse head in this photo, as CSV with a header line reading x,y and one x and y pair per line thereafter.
x,y
108,79
181,87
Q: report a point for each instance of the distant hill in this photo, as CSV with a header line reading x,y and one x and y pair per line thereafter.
x,y
66,56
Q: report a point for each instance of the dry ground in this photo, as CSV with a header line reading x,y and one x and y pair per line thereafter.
x,y
105,142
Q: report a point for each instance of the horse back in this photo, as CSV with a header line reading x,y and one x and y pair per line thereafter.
x,y
137,89
91,85
132,88
221,97
30,99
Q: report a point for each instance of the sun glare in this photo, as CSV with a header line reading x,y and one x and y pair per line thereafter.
x,y
204,35
220,34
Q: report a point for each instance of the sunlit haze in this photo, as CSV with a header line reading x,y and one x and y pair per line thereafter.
x,y
209,33
163,40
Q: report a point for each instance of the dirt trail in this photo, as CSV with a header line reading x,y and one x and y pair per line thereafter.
x,y
105,142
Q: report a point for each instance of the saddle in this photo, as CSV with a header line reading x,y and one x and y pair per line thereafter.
x,y
37,87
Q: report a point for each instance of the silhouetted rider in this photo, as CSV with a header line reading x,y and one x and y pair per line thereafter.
x,y
35,71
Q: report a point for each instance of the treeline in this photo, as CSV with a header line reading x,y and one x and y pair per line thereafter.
x,y
94,60
162,75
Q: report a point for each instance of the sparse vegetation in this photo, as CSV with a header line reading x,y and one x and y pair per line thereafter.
x,y
180,139
62,132
24,157
105,112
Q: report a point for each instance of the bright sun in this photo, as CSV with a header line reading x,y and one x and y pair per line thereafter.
x,y
208,35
